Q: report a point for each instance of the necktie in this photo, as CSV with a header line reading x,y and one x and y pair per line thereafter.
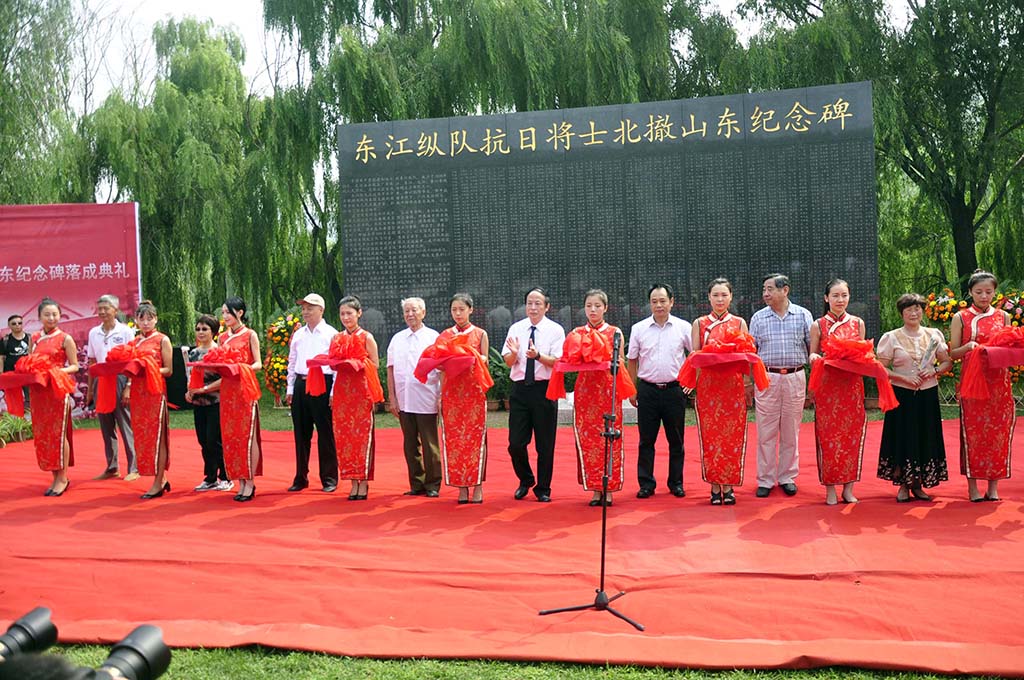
x,y
531,364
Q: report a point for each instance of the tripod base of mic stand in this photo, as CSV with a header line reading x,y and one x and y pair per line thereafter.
x,y
600,604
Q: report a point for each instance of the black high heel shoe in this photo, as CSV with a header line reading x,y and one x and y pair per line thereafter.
x,y
51,492
244,499
146,496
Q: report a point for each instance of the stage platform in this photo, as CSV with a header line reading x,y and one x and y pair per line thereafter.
x,y
768,583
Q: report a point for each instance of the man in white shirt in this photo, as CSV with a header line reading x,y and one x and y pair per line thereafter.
x,y
657,349
111,333
531,348
307,411
415,403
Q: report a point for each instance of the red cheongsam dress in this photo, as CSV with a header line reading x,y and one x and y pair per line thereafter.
x,y
591,398
51,411
462,418
239,416
149,410
352,414
721,409
840,421
986,425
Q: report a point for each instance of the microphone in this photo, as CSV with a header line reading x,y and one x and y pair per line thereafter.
x,y
616,348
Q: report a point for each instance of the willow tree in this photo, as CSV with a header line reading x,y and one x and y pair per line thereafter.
x,y
34,83
949,93
210,223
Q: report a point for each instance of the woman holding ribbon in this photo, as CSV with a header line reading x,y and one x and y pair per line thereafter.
x,y
204,395
986,401
238,359
912,454
54,357
460,352
724,353
146,396
356,389
840,358
588,350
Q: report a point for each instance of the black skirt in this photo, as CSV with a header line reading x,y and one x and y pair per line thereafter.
x,y
912,450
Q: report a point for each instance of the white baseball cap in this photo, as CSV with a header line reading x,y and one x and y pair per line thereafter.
x,y
313,299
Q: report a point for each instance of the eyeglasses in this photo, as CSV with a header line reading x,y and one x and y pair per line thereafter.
x,y
16,323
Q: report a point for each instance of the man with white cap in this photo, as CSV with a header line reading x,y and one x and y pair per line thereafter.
x,y
307,411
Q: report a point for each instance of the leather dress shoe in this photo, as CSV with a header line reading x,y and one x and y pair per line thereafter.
x,y
543,498
415,492
788,489
678,492
431,493
330,488
521,492
763,491
298,486
645,493
107,474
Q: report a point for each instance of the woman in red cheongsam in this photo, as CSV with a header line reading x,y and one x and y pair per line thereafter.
x,y
147,399
51,405
463,410
591,397
840,421
721,401
986,425
352,407
240,415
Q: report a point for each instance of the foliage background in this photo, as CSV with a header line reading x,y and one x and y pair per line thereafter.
x,y
238,189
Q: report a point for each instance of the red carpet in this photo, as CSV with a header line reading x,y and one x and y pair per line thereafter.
x,y
774,582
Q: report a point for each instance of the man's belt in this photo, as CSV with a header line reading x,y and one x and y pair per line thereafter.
x,y
786,371
661,386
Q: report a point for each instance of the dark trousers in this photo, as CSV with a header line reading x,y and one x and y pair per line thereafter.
x,y
655,407
422,453
207,420
308,412
531,413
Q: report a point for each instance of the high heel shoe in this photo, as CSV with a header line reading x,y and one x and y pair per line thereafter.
x,y
243,499
166,488
716,498
729,498
51,492
919,494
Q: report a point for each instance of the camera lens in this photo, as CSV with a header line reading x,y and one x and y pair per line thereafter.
x,y
33,632
140,656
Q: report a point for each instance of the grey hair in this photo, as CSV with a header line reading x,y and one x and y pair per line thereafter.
x,y
109,299
416,301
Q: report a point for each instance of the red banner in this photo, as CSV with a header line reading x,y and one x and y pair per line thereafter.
x,y
73,253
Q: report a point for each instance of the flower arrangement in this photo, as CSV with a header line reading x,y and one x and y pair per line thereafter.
x,y
280,331
941,307
275,373
275,365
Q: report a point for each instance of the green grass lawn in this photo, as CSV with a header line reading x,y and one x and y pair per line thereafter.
x,y
256,662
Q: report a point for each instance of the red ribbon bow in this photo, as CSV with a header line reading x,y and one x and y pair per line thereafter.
x,y
232,359
732,353
348,352
34,369
1005,348
855,356
454,355
586,349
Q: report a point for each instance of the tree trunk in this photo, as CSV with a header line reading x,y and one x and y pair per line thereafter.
x,y
962,219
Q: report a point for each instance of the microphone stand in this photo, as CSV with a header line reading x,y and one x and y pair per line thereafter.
x,y
601,601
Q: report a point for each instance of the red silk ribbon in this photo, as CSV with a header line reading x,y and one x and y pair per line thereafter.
x,y
1004,349
229,361
854,356
587,349
733,353
347,352
454,355
34,369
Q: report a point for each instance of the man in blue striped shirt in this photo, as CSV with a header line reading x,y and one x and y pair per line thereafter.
x,y
782,333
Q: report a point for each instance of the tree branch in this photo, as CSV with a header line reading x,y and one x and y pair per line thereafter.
x,y
999,194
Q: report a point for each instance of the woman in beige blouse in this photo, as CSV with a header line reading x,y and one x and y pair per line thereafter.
x,y
912,454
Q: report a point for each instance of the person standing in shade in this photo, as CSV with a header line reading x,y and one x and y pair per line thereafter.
x,y
14,346
111,333
782,332
531,348
657,348
415,403
311,339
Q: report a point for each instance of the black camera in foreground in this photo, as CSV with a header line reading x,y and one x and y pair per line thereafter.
x,y
142,655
